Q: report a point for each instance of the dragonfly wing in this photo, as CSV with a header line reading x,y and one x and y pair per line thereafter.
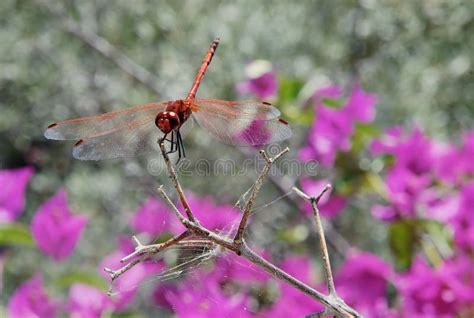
x,y
235,109
104,124
124,143
242,123
243,131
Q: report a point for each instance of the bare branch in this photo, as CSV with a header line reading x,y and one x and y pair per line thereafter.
x,y
322,240
334,305
258,184
347,311
283,183
174,180
171,204
141,249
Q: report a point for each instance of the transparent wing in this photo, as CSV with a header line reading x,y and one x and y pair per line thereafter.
x,y
122,143
104,124
244,124
235,109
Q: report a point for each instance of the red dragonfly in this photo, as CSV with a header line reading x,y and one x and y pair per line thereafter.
x,y
136,130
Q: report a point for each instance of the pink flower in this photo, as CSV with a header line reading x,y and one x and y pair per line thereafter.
x,y
404,190
229,282
438,204
362,282
329,205
231,267
454,163
361,105
207,302
409,177
334,126
388,142
292,302
463,222
407,149
210,214
153,218
87,302
261,81
467,153
55,229
12,195
126,286
31,301
159,293
443,292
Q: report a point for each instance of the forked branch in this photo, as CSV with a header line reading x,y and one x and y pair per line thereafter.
x,y
253,195
202,236
348,311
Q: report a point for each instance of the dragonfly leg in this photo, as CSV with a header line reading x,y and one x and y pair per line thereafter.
x,y
181,153
174,143
181,144
179,148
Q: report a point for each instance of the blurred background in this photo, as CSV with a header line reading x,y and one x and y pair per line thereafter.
x,y
406,64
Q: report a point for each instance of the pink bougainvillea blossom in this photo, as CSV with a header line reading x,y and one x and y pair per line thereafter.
x,y
446,291
292,302
229,280
55,228
152,217
424,178
261,82
12,196
454,163
333,127
87,302
206,301
211,215
31,300
463,222
362,282
126,286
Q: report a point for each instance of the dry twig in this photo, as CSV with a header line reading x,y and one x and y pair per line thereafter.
x,y
333,304
325,255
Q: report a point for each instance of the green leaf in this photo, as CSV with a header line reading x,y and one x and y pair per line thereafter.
x,y
88,278
403,238
333,103
363,135
296,115
439,244
15,234
289,89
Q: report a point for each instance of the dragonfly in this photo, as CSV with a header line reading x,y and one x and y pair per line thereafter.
x,y
138,129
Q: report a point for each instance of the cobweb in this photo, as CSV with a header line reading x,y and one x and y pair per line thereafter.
x,y
173,263
180,260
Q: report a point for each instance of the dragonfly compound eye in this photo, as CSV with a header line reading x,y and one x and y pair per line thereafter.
x,y
167,121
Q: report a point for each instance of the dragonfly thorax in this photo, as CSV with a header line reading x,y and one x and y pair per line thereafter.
x,y
173,117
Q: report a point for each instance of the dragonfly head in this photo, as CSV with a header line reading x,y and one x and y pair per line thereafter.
x,y
167,121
